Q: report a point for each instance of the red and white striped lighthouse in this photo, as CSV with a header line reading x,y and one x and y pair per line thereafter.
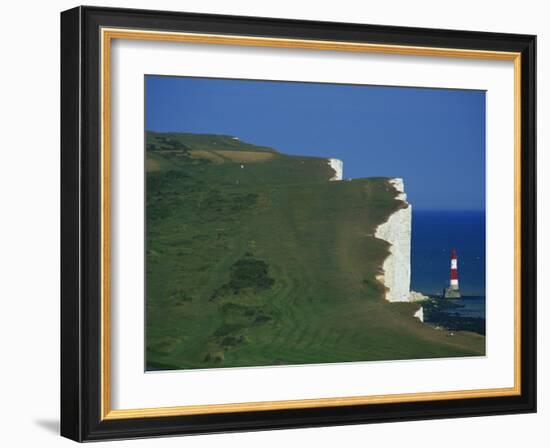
x,y
452,291
454,270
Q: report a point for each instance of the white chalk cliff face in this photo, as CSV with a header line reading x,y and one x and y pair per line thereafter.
x,y
338,166
397,266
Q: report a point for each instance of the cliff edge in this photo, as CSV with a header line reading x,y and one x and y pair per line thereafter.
x,y
338,166
396,231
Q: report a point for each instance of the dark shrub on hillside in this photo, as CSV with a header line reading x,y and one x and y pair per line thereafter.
x,y
170,143
161,182
250,273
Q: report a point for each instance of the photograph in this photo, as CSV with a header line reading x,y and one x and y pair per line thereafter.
x,y
291,223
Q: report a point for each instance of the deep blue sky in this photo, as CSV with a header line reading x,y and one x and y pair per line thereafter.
x,y
433,138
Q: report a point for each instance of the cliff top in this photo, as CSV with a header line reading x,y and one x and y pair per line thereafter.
x,y
205,142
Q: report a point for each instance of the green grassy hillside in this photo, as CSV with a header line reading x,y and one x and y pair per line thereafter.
x,y
254,258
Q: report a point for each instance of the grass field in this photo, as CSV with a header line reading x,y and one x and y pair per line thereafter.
x,y
254,258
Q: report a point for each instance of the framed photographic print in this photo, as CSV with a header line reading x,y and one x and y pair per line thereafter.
x,y
274,223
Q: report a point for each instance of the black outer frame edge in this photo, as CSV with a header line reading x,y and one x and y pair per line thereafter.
x,y
71,325
529,222
307,29
80,363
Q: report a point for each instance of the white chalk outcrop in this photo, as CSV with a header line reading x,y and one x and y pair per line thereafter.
x,y
338,166
417,296
397,232
420,314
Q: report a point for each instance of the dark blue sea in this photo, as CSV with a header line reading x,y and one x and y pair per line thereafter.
x,y
434,234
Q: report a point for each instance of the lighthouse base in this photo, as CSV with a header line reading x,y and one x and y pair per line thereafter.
x,y
451,293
